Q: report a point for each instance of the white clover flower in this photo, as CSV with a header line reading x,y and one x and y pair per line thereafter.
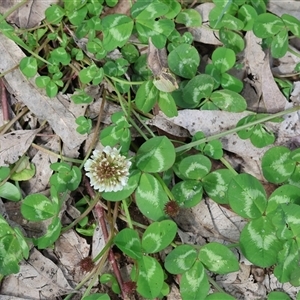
x,y
108,170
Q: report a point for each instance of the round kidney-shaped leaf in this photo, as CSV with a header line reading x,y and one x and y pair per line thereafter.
x,y
223,59
228,100
150,278
184,61
188,192
180,259
158,236
129,242
155,155
151,198
247,196
194,283
259,243
195,166
277,165
216,184
218,258
37,207
284,194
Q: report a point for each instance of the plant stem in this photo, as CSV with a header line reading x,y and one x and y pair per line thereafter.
x,y
236,129
65,158
293,52
12,9
228,165
215,285
127,214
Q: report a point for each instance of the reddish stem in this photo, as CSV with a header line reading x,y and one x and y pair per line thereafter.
x,y
99,211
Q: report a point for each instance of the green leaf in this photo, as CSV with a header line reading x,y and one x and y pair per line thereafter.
x,y
180,259
247,14
37,207
194,166
184,61
189,17
188,192
85,125
218,296
174,8
28,66
52,234
151,198
167,104
218,258
67,178
158,236
54,14
22,242
25,170
267,25
261,137
284,194
259,243
51,89
216,184
130,53
146,96
230,22
295,155
292,23
91,73
10,254
231,40
278,296
117,29
81,97
96,296
158,30
228,100
129,242
198,88
277,165
150,277
10,192
288,260
111,3
77,16
194,284
280,44
4,172
247,196
148,9
155,155
223,59
131,185
213,149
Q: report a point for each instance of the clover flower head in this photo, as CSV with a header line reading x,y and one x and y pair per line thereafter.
x,y
108,170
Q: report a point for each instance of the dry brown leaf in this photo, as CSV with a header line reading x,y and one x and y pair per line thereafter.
x,y
58,116
15,144
71,249
291,7
39,278
42,160
211,221
260,91
29,15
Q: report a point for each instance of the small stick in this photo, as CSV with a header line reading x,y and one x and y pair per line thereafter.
x,y
4,101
